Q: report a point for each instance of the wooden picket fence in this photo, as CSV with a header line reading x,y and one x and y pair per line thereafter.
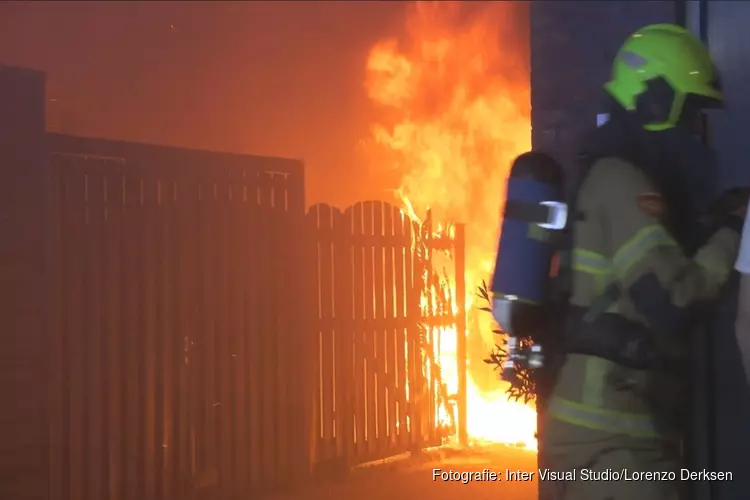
x,y
376,394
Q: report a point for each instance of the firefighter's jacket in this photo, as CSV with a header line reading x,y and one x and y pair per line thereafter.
x,y
621,239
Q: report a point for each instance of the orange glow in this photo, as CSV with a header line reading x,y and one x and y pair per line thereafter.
x,y
454,101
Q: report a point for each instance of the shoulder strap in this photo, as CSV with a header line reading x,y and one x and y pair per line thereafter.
x,y
562,284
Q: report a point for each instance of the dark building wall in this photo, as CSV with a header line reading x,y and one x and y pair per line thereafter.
x,y
573,44
724,434
728,38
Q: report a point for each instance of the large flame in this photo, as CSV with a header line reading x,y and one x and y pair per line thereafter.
x,y
454,96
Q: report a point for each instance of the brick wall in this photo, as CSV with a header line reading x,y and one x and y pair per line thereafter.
x,y
573,44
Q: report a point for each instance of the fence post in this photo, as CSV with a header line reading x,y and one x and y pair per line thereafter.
x,y
27,292
299,276
459,256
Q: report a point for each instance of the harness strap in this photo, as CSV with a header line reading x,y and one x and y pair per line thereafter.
x,y
601,303
534,213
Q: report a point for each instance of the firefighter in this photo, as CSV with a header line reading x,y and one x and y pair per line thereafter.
x,y
637,275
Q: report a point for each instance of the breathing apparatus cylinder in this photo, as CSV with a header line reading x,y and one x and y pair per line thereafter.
x,y
534,213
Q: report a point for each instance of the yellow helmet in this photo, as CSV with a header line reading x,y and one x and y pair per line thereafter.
x,y
660,71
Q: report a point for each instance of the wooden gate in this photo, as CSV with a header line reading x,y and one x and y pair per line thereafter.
x,y
375,398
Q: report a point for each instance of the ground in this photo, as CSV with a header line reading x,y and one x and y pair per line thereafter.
x,y
412,478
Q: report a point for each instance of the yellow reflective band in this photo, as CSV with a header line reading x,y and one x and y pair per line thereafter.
x,y
631,424
639,246
593,263
590,262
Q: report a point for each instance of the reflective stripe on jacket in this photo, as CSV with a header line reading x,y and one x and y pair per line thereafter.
x,y
585,396
621,239
601,419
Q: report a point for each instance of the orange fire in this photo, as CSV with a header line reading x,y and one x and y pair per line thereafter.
x,y
454,95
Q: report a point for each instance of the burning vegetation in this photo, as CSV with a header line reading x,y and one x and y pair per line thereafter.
x,y
454,100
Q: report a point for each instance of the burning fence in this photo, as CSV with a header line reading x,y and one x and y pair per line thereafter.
x,y
383,303
454,95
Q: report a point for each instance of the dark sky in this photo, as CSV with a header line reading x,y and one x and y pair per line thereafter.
x,y
276,78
